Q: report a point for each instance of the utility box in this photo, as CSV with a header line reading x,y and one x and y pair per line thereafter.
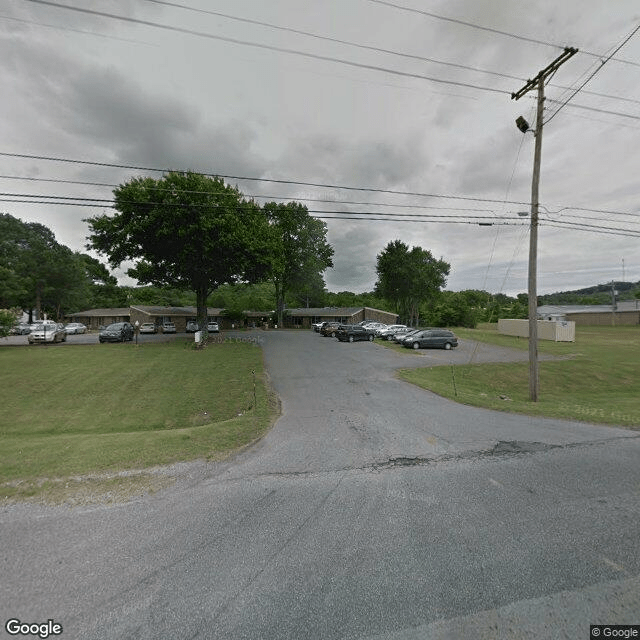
x,y
559,331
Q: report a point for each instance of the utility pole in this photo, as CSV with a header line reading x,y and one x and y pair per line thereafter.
x,y
539,82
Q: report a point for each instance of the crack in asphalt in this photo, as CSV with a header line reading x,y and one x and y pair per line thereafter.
x,y
502,449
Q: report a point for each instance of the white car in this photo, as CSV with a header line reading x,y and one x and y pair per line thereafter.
x,y
376,327
148,327
212,327
75,327
47,332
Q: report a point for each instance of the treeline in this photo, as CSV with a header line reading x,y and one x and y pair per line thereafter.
x,y
598,294
40,275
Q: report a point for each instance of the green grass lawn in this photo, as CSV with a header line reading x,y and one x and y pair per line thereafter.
x,y
598,379
69,410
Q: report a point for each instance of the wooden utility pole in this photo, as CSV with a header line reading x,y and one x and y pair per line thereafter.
x,y
538,82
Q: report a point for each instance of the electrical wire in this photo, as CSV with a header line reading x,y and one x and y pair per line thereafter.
x,y
88,33
273,180
494,31
591,75
257,45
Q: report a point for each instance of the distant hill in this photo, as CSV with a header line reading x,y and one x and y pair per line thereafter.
x,y
598,294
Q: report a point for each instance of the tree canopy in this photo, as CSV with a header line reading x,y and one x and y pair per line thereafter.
x,y
300,255
36,272
187,231
407,277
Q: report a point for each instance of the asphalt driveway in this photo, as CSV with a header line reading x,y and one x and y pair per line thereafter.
x,y
372,509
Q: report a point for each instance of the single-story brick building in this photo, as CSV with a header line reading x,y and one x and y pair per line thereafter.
x,y
96,318
304,318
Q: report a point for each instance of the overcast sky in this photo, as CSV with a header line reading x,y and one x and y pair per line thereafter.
x,y
197,96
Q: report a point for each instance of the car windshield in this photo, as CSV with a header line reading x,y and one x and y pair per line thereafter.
x,y
115,327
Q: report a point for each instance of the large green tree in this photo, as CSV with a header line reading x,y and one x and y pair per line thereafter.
x,y
184,230
408,277
300,252
36,272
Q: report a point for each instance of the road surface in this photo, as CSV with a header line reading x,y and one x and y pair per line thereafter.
x,y
373,509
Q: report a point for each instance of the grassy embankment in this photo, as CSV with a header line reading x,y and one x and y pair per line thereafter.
x,y
72,415
597,379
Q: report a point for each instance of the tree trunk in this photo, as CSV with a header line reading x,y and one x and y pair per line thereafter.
x,y
202,312
38,301
279,301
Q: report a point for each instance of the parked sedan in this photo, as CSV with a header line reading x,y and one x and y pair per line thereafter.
x,y
431,338
391,330
212,327
329,329
168,327
47,332
148,327
401,336
75,327
117,332
352,333
192,326
21,329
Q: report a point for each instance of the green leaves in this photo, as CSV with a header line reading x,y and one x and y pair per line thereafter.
x,y
300,252
187,231
407,277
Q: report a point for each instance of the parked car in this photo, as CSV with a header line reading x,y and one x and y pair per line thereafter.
x,y
47,332
352,333
431,338
375,326
75,327
399,337
192,326
148,327
317,326
168,327
212,327
391,330
21,329
117,332
329,329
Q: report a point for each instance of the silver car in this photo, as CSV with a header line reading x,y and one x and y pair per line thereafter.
x,y
75,327
47,332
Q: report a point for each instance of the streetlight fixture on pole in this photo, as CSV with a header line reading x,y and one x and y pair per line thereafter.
x,y
522,124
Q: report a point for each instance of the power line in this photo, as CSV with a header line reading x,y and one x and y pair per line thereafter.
x,y
576,227
88,33
275,181
343,42
254,195
590,77
613,113
493,30
496,220
99,202
365,47
257,45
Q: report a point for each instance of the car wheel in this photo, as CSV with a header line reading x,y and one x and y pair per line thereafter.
x,y
333,334
416,345
350,338
370,338
447,346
